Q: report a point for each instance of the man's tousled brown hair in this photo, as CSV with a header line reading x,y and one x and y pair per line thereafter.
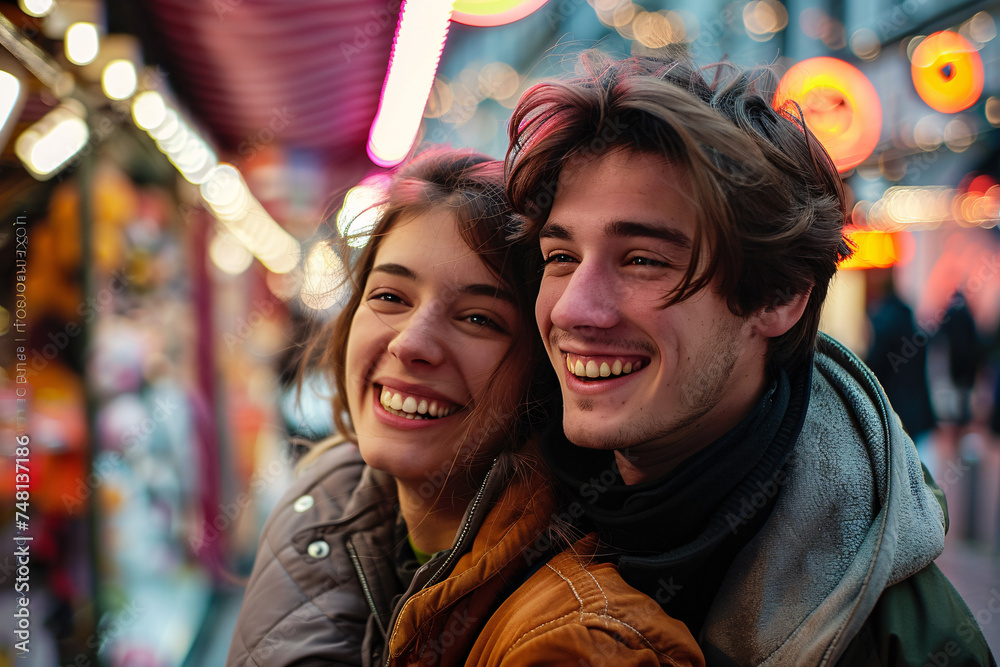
x,y
771,206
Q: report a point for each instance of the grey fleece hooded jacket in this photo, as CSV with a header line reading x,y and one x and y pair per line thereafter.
x,y
853,518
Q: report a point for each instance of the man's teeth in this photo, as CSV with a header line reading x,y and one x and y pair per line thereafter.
x,y
413,408
594,370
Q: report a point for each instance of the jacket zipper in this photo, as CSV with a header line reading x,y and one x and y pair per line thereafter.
x,y
447,561
353,553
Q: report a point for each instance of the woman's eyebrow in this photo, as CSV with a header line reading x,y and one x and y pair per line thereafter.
x,y
395,270
476,289
472,289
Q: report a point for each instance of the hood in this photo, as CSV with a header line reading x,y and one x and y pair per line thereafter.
x,y
854,517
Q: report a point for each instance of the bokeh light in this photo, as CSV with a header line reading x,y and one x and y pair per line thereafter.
x,y
878,249
763,18
840,106
865,44
992,111
82,43
149,109
119,79
37,8
361,209
947,72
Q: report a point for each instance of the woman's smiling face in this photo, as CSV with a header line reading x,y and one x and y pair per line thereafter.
x,y
432,326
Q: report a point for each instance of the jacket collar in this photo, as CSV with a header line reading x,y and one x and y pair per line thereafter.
x,y
502,534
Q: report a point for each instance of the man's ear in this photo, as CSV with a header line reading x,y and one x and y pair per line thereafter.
x,y
775,320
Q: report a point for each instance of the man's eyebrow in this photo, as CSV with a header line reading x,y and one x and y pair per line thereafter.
x,y
472,289
553,230
622,228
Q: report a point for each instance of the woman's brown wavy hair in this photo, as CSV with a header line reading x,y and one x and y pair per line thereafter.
x,y
470,186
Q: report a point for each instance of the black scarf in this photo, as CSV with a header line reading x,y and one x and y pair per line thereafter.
x,y
677,535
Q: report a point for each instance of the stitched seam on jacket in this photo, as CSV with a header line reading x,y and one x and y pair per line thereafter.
x,y
540,629
599,587
571,587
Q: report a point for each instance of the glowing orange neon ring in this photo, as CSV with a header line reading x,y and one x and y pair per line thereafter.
x,y
947,72
840,106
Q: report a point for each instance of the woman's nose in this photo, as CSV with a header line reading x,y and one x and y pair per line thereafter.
x,y
419,339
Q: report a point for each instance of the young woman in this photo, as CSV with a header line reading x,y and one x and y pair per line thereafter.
x,y
424,535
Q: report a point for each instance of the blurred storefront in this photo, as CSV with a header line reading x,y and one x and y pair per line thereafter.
x,y
171,173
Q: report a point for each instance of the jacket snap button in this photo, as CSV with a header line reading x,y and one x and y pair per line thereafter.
x,y
303,503
318,549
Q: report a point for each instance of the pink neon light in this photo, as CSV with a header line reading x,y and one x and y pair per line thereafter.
x,y
416,51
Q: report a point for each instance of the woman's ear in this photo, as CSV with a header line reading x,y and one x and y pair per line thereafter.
x,y
773,321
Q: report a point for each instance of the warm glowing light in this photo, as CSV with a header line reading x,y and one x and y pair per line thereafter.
x,y
149,109
167,127
48,145
224,187
10,87
119,79
230,201
324,280
947,72
38,8
229,254
907,207
420,37
875,249
840,106
82,43
654,30
493,12
361,210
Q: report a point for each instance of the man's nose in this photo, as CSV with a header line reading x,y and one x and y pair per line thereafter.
x,y
419,339
589,300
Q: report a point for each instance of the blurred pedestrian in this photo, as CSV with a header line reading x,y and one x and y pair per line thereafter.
x,y
898,355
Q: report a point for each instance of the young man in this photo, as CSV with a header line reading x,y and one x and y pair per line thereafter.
x,y
750,474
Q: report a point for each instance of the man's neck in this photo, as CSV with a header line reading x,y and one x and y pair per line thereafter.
x,y
658,457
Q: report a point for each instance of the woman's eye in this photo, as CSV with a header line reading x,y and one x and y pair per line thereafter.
x,y
385,297
481,320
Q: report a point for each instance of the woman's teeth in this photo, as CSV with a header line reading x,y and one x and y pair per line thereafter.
x,y
412,407
592,369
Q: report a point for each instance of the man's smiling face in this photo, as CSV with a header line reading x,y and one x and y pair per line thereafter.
x,y
662,382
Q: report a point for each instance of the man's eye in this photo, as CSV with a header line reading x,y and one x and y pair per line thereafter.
x,y
557,258
647,261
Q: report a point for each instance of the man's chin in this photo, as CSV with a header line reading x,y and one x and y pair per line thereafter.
x,y
589,438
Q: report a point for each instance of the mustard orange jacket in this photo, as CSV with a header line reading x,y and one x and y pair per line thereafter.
x,y
323,590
